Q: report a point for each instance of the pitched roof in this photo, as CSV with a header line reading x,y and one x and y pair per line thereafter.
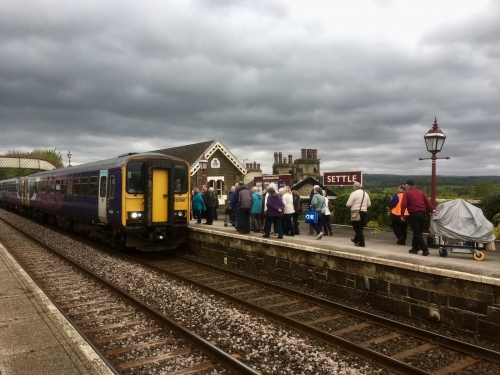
x,y
193,153
190,153
312,181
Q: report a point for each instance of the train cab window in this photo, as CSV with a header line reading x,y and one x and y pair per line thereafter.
x,y
58,187
180,178
135,177
63,187
69,187
76,186
93,186
84,186
102,184
111,190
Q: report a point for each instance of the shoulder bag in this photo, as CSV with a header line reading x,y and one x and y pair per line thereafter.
x,y
355,215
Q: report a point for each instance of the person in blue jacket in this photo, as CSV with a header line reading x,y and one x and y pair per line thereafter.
x,y
255,210
198,205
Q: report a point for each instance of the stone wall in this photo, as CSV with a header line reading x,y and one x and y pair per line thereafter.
x,y
464,301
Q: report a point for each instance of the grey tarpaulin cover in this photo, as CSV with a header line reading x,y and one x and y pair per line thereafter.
x,y
460,220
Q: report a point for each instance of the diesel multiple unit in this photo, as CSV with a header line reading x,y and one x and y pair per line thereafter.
x,y
134,200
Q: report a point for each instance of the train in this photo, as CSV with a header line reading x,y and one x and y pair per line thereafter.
x,y
136,200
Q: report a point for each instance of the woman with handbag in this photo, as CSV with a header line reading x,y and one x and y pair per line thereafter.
x,y
359,202
274,213
318,204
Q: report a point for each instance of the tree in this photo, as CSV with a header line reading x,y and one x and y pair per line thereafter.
x,y
53,156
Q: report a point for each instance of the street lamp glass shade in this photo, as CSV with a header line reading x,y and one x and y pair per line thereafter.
x,y
203,163
69,154
434,140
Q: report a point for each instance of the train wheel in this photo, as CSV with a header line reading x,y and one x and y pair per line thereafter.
x,y
443,252
478,256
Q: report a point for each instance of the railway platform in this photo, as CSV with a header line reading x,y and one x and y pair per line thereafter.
x,y
380,248
35,338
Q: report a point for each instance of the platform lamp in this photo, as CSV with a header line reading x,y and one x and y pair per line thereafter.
x,y
203,167
69,158
434,141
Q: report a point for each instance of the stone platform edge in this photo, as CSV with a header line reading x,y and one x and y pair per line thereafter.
x,y
341,253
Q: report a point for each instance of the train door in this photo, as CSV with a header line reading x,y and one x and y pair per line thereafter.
x,y
159,204
103,199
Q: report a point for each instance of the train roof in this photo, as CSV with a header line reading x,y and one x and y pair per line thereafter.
x,y
102,164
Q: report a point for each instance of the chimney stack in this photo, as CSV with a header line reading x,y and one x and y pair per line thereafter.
x,y
275,158
309,153
258,166
284,160
280,157
289,159
303,153
315,153
254,165
248,166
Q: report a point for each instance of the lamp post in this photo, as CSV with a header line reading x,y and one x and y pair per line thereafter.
x,y
203,167
69,158
434,141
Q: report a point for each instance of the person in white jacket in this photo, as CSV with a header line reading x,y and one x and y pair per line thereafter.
x,y
359,200
287,199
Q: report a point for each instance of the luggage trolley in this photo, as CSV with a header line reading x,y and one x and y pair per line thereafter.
x,y
459,227
458,246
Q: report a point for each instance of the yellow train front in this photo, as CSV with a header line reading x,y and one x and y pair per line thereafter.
x,y
133,200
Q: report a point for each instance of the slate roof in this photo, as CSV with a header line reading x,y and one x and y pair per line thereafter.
x,y
190,153
193,153
312,181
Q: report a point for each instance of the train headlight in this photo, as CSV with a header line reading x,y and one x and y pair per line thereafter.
x,y
133,215
179,213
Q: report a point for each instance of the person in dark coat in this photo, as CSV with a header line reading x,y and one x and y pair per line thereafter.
x,y
209,199
274,209
244,199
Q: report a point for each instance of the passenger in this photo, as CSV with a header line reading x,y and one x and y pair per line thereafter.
x,y
318,203
327,227
256,210
287,199
274,208
198,205
297,206
262,212
358,201
311,228
234,206
244,199
232,221
209,199
415,201
399,227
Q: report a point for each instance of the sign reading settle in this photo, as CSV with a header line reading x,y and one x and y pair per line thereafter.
x,y
342,178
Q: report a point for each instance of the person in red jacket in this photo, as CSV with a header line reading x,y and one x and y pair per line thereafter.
x,y
415,201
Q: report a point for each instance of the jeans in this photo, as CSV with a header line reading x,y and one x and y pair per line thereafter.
x,y
288,229
255,222
197,215
295,218
277,226
318,227
327,228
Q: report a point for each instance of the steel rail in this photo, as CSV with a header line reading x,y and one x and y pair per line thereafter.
x,y
210,350
477,351
365,353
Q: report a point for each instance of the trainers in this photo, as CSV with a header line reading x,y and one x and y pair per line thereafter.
x,y
413,251
425,253
318,237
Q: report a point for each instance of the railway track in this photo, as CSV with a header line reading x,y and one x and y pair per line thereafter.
x,y
393,345
130,336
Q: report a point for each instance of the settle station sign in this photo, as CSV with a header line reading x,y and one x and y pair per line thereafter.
x,y
342,178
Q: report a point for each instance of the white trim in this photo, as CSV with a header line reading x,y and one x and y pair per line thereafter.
x,y
217,145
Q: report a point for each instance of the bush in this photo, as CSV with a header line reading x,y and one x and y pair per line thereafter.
x,y
490,206
497,232
496,220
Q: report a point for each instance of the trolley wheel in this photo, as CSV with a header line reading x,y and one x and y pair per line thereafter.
x,y
443,252
478,256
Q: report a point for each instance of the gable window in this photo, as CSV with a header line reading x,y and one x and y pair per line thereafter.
x,y
215,163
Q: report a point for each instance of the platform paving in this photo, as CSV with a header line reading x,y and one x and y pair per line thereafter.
x,y
381,248
35,338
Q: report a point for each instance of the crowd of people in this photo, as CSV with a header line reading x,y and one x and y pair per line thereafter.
x,y
276,212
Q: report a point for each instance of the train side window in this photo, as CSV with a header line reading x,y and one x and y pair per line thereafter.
x,y
93,186
44,187
111,190
58,186
63,187
102,192
69,190
84,186
76,186
52,187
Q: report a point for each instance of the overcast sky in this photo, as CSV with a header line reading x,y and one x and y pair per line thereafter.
x,y
361,81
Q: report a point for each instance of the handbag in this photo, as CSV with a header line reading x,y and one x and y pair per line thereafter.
x,y
311,217
355,215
